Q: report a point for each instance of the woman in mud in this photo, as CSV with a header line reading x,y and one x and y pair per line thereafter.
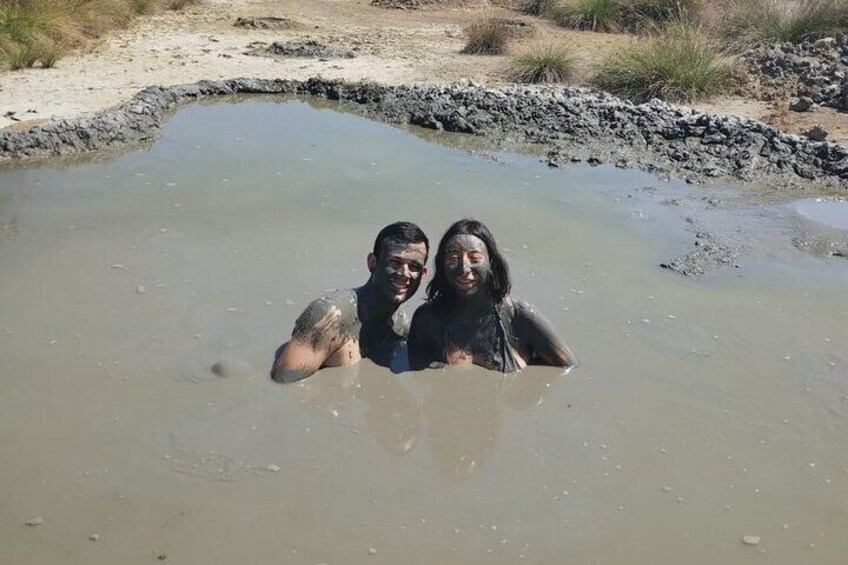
x,y
470,316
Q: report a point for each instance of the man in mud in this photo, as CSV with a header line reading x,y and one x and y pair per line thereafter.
x,y
348,325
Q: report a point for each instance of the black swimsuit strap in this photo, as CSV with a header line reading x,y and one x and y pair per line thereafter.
x,y
508,363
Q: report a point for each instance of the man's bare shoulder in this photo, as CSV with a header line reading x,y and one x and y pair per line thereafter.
x,y
329,318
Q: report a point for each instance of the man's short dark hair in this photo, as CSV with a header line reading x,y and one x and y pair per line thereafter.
x,y
405,233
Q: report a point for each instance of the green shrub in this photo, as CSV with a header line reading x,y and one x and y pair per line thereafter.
x,y
629,15
595,15
143,6
487,36
540,7
49,52
19,55
642,13
782,21
542,63
179,4
43,30
678,64
25,22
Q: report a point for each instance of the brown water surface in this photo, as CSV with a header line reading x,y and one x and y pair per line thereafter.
x,y
703,410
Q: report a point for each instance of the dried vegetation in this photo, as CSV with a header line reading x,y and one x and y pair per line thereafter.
x,y
487,36
40,32
548,62
678,63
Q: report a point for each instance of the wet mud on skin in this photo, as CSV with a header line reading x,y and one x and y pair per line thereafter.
x,y
704,409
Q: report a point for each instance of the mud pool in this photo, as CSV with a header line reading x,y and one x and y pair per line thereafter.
x,y
704,410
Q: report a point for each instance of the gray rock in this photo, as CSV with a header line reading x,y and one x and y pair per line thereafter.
x,y
825,43
309,49
398,4
809,69
843,94
707,256
802,104
266,22
816,133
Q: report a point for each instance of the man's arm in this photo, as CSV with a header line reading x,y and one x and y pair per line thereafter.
x,y
535,330
315,337
421,339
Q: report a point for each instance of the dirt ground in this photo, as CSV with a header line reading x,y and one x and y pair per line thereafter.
x,y
392,47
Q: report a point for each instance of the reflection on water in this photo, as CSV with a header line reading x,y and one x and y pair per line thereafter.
x,y
830,212
703,410
459,413
465,413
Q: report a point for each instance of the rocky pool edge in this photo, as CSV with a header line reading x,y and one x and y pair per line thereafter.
x,y
570,124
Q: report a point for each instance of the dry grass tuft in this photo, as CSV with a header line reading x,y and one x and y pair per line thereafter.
x,y
487,36
142,7
18,56
640,14
542,63
49,52
179,4
594,15
45,30
783,21
624,15
678,64
540,7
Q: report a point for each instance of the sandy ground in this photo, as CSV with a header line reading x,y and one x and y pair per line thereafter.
x,y
393,47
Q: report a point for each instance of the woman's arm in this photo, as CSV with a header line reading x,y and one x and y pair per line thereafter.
x,y
537,332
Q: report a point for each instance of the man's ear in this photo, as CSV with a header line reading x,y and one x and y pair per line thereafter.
x,y
424,272
372,262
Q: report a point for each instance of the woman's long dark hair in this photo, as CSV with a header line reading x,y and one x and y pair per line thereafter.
x,y
439,291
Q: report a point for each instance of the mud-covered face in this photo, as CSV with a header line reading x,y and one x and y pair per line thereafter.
x,y
467,265
398,272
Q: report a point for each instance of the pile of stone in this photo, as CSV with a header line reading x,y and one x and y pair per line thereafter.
x,y
578,124
815,71
309,49
398,4
571,124
416,4
266,22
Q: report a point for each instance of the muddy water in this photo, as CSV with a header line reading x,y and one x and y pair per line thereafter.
x,y
703,411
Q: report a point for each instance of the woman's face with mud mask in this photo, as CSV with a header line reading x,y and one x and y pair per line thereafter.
x,y
467,265
398,272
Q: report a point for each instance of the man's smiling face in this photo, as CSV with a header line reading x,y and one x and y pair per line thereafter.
x,y
399,270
